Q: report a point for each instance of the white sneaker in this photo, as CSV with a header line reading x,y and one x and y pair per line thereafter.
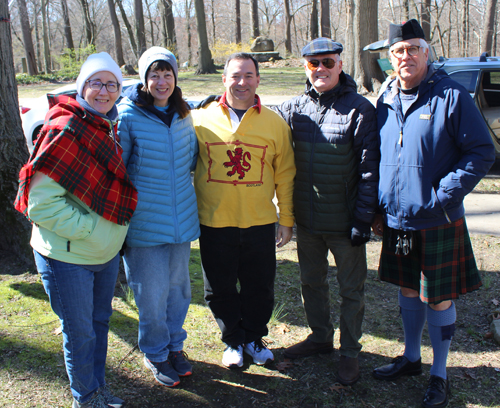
x,y
260,353
233,357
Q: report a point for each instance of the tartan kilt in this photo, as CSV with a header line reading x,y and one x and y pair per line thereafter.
x,y
440,266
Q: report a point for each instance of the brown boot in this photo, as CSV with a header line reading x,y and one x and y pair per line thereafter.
x,y
308,348
348,370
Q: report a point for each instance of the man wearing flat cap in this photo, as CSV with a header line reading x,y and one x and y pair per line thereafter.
x,y
335,195
434,149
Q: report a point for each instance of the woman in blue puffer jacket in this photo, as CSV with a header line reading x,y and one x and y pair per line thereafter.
x,y
160,150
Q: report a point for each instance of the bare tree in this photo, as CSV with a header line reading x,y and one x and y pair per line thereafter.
x,y
117,33
168,26
45,33
68,36
314,20
325,19
205,62
288,27
425,16
237,18
16,230
89,27
465,28
28,41
406,10
212,17
188,4
366,72
128,26
140,32
254,18
489,27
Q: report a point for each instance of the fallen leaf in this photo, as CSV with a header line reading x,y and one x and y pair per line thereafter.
x,y
57,331
284,365
338,388
495,302
488,335
470,374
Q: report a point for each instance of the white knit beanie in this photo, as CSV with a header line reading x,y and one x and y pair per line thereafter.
x,y
97,63
156,54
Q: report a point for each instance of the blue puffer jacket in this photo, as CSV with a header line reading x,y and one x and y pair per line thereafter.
x,y
433,156
159,160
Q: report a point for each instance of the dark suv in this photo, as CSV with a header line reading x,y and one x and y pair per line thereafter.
x,y
479,75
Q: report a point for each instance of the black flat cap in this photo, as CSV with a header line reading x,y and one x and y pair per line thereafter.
x,y
406,31
320,46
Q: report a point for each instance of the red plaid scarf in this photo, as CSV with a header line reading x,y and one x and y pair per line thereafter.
x,y
75,148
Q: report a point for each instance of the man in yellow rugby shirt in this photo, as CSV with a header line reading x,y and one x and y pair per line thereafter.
x,y
246,156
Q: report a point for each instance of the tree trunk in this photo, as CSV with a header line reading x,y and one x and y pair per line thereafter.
x,y
16,230
128,26
188,5
349,52
366,72
489,27
139,27
465,28
288,27
325,19
406,10
45,33
212,16
117,33
254,17
89,30
29,50
205,62
314,20
425,15
68,36
237,12
169,37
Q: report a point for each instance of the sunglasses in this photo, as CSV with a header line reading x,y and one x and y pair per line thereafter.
x,y
313,64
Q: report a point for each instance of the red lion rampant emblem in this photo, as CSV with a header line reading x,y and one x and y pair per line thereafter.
x,y
239,162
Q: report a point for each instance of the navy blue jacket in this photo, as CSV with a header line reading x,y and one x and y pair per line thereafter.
x,y
336,155
432,156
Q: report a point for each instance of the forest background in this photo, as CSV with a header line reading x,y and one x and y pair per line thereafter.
x,y
49,33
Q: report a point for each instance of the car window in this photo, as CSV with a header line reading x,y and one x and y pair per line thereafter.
x,y
467,79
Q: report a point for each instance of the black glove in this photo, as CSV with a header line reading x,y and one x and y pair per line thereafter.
x,y
360,233
206,101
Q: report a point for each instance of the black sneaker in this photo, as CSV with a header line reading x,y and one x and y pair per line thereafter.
x,y
164,372
110,399
178,360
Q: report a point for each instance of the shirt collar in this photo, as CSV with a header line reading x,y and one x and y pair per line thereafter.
x,y
257,105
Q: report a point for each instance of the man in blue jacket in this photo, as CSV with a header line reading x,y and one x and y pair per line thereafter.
x,y
336,151
435,148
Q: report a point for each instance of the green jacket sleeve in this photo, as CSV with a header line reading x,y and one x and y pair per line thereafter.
x,y
50,207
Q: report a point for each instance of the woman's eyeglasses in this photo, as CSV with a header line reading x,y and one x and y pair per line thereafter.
x,y
313,64
97,85
412,51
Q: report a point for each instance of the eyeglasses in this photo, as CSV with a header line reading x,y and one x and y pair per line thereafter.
x,y
97,85
412,51
313,64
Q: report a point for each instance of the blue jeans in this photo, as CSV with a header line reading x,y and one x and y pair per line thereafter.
x,y
159,277
81,298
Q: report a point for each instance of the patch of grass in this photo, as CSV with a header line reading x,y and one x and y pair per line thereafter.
x,y
32,372
488,186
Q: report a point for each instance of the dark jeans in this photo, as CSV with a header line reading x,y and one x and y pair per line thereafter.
x,y
247,255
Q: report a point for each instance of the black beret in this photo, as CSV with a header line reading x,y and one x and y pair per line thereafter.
x,y
406,31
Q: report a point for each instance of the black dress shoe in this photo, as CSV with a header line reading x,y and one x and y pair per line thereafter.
x,y
400,366
437,393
